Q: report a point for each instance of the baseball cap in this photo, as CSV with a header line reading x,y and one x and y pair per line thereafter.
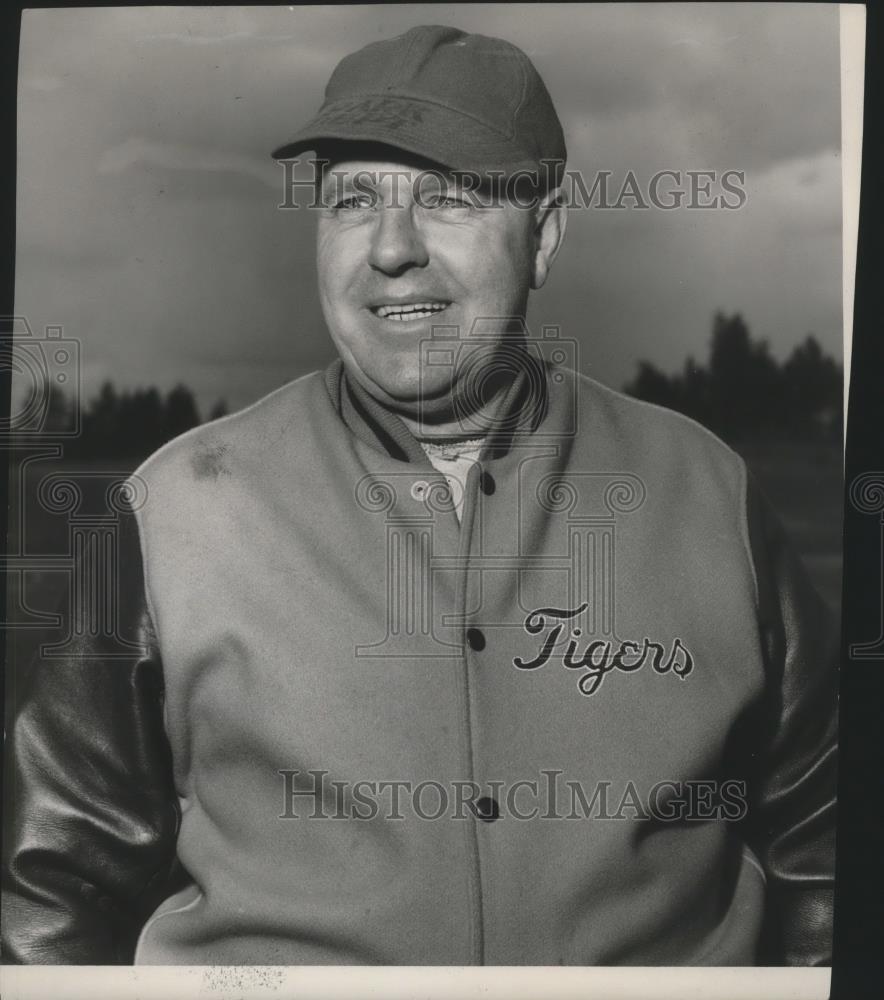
x,y
467,102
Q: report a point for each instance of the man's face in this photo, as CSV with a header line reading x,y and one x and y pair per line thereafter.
x,y
398,252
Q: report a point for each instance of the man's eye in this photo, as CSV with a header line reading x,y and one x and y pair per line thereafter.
x,y
355,201
446,201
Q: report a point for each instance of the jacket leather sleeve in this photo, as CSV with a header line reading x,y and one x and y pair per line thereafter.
x,y
92,815
792,748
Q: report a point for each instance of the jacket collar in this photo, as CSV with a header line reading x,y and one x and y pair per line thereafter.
x,y
523,410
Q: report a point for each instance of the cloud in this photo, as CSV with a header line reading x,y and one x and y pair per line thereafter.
x,y
138,151
39,81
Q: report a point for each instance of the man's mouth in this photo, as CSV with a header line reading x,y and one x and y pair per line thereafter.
x,y
403,311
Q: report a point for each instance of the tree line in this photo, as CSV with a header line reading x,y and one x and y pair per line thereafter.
x,y
744,395
128,424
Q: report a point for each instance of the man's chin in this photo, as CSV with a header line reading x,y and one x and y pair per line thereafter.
x,y
407,392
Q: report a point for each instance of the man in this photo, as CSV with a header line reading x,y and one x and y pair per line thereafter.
x,y
447,655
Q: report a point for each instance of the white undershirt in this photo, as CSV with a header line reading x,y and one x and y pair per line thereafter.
x,y
453,459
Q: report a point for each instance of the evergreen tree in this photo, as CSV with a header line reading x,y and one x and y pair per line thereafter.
x,y
179,412
219,410
743,394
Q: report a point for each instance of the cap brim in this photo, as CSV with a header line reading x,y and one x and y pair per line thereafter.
x,y
437,133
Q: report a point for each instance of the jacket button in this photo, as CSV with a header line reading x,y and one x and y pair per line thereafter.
x,y
475,639
487,484
487,809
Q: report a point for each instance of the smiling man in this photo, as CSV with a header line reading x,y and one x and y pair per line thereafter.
x,y
398,257
447,654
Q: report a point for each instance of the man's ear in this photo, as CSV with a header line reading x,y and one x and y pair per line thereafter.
x,y
549,231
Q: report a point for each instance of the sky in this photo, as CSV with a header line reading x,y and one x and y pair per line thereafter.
x,y
148,225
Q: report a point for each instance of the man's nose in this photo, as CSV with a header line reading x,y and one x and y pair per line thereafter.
x,y
397,245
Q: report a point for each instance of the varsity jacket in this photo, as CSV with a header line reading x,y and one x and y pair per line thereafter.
x,y
606,697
